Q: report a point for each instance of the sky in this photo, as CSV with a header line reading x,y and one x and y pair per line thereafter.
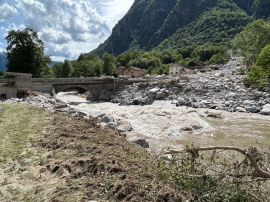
x,y
67,27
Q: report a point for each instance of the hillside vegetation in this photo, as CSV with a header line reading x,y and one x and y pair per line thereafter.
x,y
158,24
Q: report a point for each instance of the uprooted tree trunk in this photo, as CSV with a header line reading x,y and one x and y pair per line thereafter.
x,y
252,154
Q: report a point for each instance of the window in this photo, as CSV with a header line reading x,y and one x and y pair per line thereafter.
x,y
171,72
176,72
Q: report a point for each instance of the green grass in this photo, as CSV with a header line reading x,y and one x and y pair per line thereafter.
x,y
17,124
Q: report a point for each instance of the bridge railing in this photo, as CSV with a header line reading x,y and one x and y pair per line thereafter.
x,y
73,80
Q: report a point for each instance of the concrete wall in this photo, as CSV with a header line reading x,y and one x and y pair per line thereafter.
x,y
9,92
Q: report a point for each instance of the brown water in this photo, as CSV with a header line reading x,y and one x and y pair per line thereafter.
x,y
164,125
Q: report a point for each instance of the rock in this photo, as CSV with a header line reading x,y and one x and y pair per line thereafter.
x,y
152,93
252,109
159,95
135,101
106,119
205,102
140,141
181,101
124,127
216,115
181,85
71,111
1,108
240,109
230,95
61,106
257,93
102,124
220,74
124,103
265,110
96,115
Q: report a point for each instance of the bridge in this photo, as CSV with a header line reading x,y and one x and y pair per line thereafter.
x,y
100,88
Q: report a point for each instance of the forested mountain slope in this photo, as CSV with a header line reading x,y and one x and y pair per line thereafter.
x,y
160,24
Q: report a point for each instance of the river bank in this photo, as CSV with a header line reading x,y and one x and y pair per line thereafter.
x,y
162,124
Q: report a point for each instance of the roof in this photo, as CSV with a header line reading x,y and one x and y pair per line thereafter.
x,y
121,67
136,68
17,74
177,65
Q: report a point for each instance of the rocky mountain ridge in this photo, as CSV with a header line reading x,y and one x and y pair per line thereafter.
x,y
151,24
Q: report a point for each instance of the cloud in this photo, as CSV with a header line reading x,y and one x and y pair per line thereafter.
x,y
67,27
63,22
114,10
7,12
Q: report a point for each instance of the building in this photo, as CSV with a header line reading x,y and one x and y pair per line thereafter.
x,y
119,70
16,87
177,70
131,72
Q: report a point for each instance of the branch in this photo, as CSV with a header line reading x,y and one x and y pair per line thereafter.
x,y
252,159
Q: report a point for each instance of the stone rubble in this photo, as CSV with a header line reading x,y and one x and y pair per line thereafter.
x,y
219,88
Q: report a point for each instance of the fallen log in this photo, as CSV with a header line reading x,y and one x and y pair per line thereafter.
x,y
251,154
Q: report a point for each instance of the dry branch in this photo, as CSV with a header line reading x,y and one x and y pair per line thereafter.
x,y
248,153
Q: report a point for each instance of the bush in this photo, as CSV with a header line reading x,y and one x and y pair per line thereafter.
x,y
218,59
260,72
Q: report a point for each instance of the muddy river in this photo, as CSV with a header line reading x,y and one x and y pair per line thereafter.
x,y
164,125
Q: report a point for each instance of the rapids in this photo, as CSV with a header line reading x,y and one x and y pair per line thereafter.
x,y
165,125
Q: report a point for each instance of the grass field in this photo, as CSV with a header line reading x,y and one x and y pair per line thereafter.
x,y
18,123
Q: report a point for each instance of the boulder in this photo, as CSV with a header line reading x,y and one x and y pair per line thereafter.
x,y
240,109
1,108
265,110
152,93
252,109
181,101
159,95
124,127
106,119
96,115
140,141
257,93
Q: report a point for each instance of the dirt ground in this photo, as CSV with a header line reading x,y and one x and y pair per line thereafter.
x,y
73,159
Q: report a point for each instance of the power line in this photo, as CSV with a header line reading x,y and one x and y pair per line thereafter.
x,y
7,15
4,10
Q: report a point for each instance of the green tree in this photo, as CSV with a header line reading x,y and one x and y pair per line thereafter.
x,y
260,71
88,68
67,69
252,40
57,69
109,64
2,74
25,52
218,59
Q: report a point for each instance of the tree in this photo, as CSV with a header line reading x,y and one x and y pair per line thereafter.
x,y
218,59
25,52
109,62
57,69
260,71
67,69
88,68
252,40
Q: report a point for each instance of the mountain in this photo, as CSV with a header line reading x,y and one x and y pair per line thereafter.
x,y
160,24
3,61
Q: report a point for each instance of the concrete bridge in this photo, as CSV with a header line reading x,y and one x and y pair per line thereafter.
x,y
100,88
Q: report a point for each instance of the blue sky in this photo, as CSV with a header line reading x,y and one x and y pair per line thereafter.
x,y
67,27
